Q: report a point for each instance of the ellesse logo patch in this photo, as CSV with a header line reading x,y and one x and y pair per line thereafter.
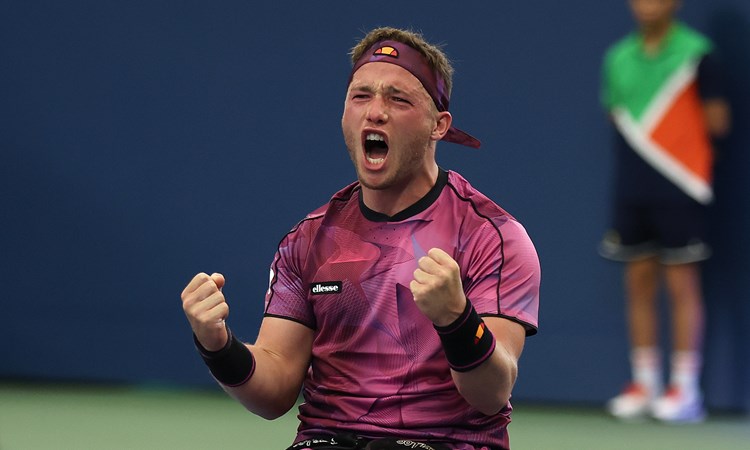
x,y
325,287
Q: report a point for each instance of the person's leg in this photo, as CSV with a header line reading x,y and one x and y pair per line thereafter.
x,y
683,401
682,232
641,288
632,241
642,280
686,301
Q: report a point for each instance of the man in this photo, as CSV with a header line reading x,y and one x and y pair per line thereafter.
x,y
400,308
663,90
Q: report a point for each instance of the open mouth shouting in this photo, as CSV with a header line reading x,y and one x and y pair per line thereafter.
x,y
376,148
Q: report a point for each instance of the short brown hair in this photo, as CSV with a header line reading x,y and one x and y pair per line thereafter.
x,y
436,58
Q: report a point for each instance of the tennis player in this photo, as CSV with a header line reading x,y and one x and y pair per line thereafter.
x,y
400,308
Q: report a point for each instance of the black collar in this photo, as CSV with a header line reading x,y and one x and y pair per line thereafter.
x,y
421,204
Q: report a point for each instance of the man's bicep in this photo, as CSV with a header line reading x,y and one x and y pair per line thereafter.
x,y
508,334
286,341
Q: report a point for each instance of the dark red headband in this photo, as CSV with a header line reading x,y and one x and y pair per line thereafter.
x,y
398,53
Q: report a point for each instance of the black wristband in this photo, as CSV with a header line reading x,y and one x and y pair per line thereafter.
x,y
233,365
467,342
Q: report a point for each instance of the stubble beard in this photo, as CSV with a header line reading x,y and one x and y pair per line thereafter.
x,y
401,170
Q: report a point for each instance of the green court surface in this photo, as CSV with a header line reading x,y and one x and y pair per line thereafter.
x,y
60,417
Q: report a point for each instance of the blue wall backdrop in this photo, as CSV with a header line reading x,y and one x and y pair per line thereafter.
x,y
145,141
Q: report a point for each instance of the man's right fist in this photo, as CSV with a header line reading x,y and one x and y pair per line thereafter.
x,y
206,310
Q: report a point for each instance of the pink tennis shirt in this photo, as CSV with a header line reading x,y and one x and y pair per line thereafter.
x,y
377,367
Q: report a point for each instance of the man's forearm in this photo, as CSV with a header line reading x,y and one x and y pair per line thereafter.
x,y
488,387
272,391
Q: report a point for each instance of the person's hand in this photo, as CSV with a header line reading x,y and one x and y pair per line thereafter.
x,y
437,288
206,309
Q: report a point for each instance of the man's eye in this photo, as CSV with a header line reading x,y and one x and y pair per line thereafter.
x,y
400,100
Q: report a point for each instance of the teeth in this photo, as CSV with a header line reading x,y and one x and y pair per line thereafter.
x,y
377,138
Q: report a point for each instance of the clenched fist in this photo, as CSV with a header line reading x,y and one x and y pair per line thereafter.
x,y
437,288
206,309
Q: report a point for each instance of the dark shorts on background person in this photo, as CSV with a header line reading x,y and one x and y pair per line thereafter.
x,y
352,442
674,234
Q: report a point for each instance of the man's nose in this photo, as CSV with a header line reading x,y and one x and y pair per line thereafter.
x,y
377,111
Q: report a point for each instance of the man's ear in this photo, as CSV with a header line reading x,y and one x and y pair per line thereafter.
x,y
442,124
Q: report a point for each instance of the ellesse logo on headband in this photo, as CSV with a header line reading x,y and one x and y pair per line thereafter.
x,y
325,287
386,51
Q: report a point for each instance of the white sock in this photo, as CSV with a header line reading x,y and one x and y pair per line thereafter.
x,y
646,368
685,371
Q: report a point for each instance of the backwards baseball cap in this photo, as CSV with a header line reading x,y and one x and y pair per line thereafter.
x,y
411,59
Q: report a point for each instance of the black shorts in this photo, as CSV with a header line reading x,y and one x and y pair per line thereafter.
x,y
675,234
352,442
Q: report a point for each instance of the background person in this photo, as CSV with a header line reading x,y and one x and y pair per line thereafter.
x,y
662,86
